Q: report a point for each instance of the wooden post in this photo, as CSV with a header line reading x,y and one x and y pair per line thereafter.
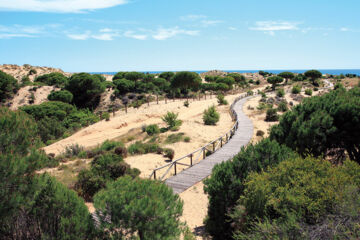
x,y
191,158
125,108
213,146
227,138
221,143
147,99
113,110
157,99
204,153
155,175
175,167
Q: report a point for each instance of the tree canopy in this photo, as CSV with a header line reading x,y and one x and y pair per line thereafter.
x,y
287,75
274,80
313,75
86,90
140,207
8,86
186,80
322,125
62,96
53,79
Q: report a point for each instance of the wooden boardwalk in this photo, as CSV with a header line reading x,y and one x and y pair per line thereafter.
x,y
198,172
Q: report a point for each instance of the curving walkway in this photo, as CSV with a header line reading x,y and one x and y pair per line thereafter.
x,y
203,169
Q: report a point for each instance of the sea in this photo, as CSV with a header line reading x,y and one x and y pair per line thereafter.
x,y
275,71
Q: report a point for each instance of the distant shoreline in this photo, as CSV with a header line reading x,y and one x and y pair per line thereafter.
x,y
276,71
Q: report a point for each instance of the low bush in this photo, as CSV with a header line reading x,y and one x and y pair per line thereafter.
x,y
187,139
152,129
122,151
308,92
106,116
171,119
280,92
53,79
221,99
142,148
260,133
109,146
211,116
282,107
173,138
73,150
186,103
169,153
271,115
62,96
296,89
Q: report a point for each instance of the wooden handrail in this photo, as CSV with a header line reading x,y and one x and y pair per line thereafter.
x,y
203,149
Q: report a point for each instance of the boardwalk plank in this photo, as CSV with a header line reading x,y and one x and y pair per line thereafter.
x,y
203,169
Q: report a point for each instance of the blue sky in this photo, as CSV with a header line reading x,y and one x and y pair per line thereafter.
x,y
152,35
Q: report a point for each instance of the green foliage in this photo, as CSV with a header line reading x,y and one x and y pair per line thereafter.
x,y
262,106
226,183
53,79
142,148
187,139
174,138
280,92
282,107
299,78
297,190
106,116
171,119
274,80
308,91
211,116
8,86
186,103
296,89
313,75
86,90
221,99
152,129
323,123
146,209
124,86
239,79
18,132
186,80
32,71
58,110
73,150
134,76
100,77
109,146
260,133
62,96
271,115
167,75
287,75
169,153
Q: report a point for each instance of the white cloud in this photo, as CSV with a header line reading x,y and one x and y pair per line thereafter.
x,y
62,6
344,29
15,31
165,33
193,17
270,27
207,23
232,28
104,36
105,30
82,36
14,35
131,34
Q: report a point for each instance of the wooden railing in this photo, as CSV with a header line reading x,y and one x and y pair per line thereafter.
x,y
201,153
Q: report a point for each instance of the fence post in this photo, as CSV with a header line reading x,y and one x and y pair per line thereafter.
x,y
191,159
227,138
155,175
175,167
221,143
204,153
213,146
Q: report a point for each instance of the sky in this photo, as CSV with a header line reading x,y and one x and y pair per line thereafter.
x,y
160,35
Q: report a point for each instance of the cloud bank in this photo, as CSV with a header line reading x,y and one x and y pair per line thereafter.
x,y
61,6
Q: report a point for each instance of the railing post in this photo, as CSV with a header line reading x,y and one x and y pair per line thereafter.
x,y
175,168
191,159
227,139
213,146
155,175
221,143
204,153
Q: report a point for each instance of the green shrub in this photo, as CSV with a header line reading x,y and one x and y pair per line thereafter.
x,y
262,106
308,92
271,115
142,148
171,119
173,138
282,107
32,71
221,99
146,209
62,96
169,153
226,183
316,89
152,129
86,90
280,92
186,103
73,150
53,79
211,116
308,188
8,86
187,139
260,133
323,124
296,89
109,146
250,93
122,151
